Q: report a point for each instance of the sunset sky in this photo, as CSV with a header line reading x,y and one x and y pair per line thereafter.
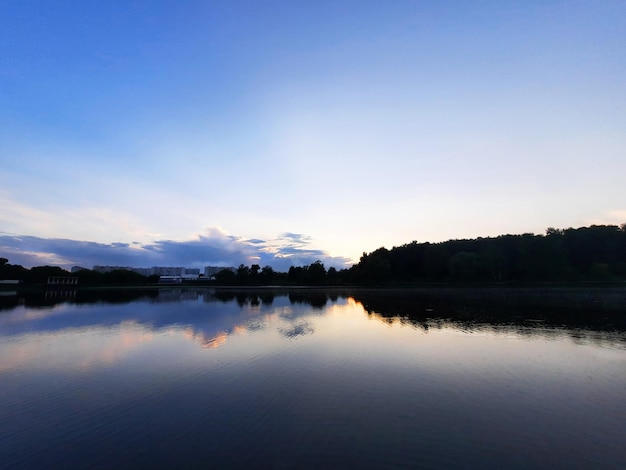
x,y
217,133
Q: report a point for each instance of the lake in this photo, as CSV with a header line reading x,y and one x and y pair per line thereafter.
x,y
302,378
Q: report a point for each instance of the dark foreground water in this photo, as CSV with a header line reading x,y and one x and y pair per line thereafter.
x,y
206,379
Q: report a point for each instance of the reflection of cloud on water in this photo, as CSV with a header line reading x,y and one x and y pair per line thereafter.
x,y
283,315
213,341
207,323
238,330
297,331
24,313
207,342
89,348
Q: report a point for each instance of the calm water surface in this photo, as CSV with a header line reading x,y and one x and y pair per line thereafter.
x,y
203,378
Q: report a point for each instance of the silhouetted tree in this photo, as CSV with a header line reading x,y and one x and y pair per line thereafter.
x,y
331,276
243,274
317,273
12,271
374,268
253,277
436,262
267,275
87,277
40,274
225,277
464,266
298,274
596,252
125,277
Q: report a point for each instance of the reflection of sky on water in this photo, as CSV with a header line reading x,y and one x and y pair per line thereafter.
x,y
206,314
100,334
89,335
238,379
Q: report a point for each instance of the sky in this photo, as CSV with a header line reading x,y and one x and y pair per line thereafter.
x,y
197,133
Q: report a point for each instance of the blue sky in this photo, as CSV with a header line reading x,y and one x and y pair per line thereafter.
x,y
284,132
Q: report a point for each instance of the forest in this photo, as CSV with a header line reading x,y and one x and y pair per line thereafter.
x,y
595,253
587,254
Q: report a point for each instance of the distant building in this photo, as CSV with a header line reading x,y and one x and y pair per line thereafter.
x,y
108,269
167,270
166,273
169,273
191,274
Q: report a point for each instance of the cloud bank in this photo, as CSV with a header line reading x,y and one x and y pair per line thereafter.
x,y
214,248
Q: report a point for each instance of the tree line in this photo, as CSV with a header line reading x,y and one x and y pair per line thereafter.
x,y
310,275
39,275
595,253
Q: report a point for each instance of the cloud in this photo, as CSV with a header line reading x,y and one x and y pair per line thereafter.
x,y
295,238
213,248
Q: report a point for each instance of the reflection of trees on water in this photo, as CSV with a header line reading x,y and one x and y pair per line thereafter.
x,y
207,316
317,299
314,299
262,301
109,296
582,314
243,298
